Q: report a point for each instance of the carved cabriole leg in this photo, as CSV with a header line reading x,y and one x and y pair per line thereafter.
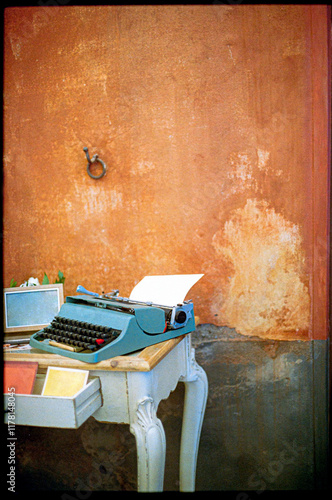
x,y
196,390
151,446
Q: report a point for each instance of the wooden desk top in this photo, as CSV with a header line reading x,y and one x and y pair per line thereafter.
x,y
141,361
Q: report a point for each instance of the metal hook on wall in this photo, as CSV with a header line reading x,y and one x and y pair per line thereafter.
x,y
93,160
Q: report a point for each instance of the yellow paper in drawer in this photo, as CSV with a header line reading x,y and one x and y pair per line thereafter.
x,y
64,382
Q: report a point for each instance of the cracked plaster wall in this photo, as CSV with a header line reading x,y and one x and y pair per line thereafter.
x,y
203,117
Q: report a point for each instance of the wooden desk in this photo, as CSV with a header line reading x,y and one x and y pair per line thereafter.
x,y
131,389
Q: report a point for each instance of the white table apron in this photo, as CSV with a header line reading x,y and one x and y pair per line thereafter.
x,y
133,397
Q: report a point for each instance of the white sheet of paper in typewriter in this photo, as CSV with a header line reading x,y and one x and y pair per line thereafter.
x,y
167,290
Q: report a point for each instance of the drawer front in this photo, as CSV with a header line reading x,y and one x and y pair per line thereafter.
x,y
115,397
51,411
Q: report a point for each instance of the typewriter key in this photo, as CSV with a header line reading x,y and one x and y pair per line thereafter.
x,y
91,347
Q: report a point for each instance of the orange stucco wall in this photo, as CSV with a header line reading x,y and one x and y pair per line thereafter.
x,y
206,119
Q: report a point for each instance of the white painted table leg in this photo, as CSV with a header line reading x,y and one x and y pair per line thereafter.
x,y
151,447
196,390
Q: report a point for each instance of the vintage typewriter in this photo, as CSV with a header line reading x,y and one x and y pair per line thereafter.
x,y
94,327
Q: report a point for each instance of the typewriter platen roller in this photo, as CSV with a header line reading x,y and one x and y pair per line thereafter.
x,y
94,327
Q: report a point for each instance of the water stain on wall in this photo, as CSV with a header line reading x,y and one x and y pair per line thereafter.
x,y
268,292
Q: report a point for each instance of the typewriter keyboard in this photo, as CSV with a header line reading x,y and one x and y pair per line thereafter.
x,y
79,334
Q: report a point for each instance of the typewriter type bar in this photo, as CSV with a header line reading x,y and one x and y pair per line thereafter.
x,y
94,328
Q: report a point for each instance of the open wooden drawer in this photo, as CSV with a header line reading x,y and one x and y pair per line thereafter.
x,y
55,411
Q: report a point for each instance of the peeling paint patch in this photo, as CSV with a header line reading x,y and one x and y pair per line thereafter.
x,y
230,53
263,157
93,202
143,167
242,173
115,199
15,46
246,172
268,294
242,168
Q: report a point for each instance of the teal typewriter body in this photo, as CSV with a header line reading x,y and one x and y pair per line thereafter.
x,y
95,328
